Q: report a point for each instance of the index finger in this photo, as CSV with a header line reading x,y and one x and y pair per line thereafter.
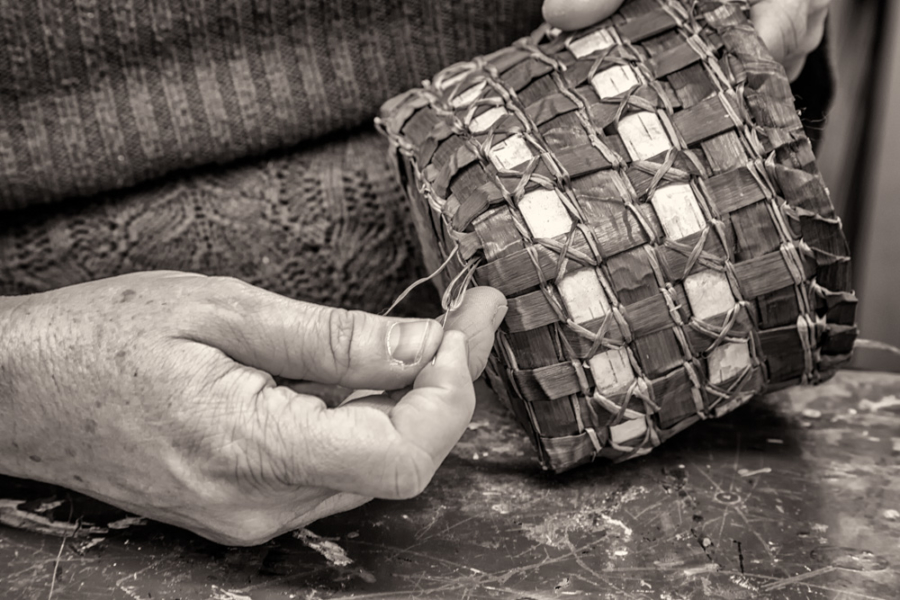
x,y
394,455
781,25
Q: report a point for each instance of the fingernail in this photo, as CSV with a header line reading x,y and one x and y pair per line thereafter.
x,y
499,316
406,341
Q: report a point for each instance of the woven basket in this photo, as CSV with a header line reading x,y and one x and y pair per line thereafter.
x,y
643,193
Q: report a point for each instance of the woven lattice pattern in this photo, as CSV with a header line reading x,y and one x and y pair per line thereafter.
x,y
643,193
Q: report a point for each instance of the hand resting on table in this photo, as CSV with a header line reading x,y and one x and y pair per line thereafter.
x,y
154,392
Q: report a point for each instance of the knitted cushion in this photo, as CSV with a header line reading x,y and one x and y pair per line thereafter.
x,y
643,193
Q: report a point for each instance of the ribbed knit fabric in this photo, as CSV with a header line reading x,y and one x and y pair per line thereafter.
x,y
98,95
178,97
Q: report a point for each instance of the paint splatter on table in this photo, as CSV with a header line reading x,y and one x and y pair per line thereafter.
x,y
793,496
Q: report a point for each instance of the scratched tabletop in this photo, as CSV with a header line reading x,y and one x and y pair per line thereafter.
x,y
795,495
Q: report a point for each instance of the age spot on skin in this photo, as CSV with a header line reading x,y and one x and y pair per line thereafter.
x,y
90,426
35,458
127,295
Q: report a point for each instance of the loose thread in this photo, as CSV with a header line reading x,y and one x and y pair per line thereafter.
x,y
875,345
62,547
463,280
419,282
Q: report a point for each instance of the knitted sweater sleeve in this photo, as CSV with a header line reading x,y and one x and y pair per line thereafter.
x,y
98,95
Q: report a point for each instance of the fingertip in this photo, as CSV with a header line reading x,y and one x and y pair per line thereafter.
x,y
575,14
499,315
775,26
449,369
498,300
454,346
481,313
479,309
761,24
493,294
413,342
433,340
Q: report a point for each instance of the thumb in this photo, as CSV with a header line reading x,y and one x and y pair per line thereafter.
x,y
478,317
575,14
300,340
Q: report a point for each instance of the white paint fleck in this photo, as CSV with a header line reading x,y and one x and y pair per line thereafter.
x,y
819,527
48,506
707,568
621,552
334,554
749,473
553,529
626,530
127,522
774,441
220,594
502,508
886,402
811,413
131,590
891,514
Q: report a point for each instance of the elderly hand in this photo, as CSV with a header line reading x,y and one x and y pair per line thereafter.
x,y
791,29
154,392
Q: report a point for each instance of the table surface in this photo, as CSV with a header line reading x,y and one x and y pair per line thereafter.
x,y
795,495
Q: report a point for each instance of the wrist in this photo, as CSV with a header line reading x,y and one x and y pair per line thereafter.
x,y
17,349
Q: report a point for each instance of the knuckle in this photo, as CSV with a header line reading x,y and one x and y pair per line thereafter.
x,y
227,281
229,293
342,327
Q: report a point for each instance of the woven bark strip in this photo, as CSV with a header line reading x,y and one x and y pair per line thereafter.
x,y
643,193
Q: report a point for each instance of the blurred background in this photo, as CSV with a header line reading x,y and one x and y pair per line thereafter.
x,y
860,159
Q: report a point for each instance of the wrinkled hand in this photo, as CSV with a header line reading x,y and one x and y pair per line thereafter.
x,y
791,29
154,392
